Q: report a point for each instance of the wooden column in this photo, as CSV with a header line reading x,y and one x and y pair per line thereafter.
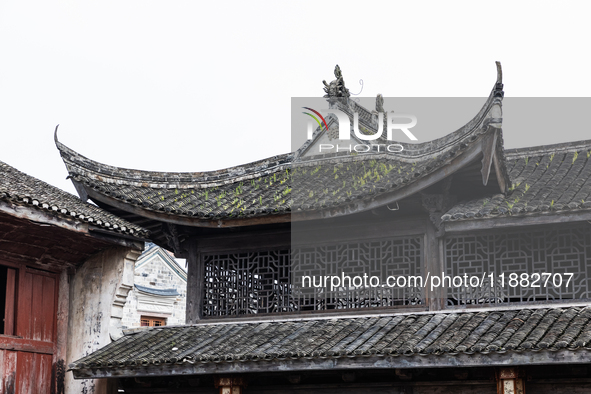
x,y
434,267
195,278
59,357
9,312
436,205
442,291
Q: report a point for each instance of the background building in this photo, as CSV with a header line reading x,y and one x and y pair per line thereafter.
x,y
66,267
159,293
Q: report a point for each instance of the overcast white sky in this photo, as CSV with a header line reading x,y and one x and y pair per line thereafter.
x,y
195,85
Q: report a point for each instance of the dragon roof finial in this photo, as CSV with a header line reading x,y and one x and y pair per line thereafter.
x,y
337,87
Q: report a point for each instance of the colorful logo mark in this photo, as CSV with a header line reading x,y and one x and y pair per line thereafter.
x,y
315,118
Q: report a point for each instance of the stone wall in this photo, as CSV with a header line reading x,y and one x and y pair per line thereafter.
x,y
154,270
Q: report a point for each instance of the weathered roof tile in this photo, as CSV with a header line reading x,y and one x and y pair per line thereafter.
x,y
282,184
20,188
420,334
545,179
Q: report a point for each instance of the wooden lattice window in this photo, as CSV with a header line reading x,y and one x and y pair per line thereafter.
x,y
147,321
549,264
271,281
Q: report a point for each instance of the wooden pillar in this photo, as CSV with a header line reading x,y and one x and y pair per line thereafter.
x,y
230,384
61,342
9,312
509,381
195,283
442,264
434,267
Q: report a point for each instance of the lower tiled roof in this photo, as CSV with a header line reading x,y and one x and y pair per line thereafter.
x,y
425,334
18,187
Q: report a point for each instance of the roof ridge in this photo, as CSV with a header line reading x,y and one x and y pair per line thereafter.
x,y
407,313
138,176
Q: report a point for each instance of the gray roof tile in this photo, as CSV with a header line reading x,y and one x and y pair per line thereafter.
x,y
416,334
18,187
278,185
545,179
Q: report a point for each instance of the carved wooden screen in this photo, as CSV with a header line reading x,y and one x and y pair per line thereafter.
x,y
271,281
545,265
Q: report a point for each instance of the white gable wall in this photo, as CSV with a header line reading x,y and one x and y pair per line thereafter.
x,y
155,273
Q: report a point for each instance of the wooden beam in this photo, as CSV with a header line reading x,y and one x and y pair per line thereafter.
x,y
325,314
128,241
488,152
25,345
39,216
186,220
500,175
364,387
299,234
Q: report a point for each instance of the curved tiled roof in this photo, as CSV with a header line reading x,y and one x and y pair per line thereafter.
x,y
288,183
18,187
545,179
428,334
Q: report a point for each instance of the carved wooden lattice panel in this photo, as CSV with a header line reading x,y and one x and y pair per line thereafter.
x,y
271,281
557,252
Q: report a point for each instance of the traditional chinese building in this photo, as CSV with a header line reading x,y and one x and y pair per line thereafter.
x,y
66,267
265,241
159,293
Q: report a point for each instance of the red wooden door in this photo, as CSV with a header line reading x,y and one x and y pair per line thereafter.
x,y
26,356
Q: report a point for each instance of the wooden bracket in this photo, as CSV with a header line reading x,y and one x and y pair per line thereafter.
x,y
488,154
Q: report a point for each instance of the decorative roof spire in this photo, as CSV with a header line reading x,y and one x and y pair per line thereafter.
x,y
380,103
337,87
499,85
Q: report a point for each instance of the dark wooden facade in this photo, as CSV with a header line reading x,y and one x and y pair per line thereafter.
x,y
458,206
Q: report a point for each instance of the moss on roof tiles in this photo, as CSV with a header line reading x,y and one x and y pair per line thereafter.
x,y
545,179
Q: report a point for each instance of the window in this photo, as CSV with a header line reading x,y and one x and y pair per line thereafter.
x,y
273,281
520,266
147,321
7,298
